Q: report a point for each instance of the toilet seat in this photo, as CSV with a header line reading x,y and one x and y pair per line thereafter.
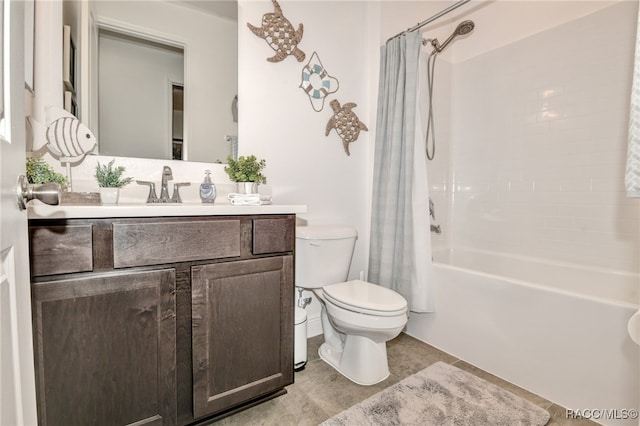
x,y
365,298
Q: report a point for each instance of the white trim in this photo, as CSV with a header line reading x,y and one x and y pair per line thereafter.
x,y
314,326
138,31
5,128
172,81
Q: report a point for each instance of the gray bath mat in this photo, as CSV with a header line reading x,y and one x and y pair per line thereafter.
x,y
442,395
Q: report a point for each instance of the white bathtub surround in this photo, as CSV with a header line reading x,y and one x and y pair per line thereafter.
x,y
633,327
400,240
576,279
564,339
538,149
528,181
632,175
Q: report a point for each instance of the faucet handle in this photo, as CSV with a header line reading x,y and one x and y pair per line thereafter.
x,y
152,197
176,194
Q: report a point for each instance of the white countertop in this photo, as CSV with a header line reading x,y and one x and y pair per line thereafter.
x,y
38,210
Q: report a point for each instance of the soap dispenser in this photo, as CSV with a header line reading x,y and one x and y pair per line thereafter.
x,y
207,189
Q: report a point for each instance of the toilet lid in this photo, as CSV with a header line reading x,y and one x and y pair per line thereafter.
x,y
363,296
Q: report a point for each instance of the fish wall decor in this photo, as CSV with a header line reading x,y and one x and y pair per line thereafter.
x,y
65,136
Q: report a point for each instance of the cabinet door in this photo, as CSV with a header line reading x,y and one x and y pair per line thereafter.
x,y
242,329
105,349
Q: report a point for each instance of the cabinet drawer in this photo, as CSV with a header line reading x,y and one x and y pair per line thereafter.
x,y
154,243
274,235
60,249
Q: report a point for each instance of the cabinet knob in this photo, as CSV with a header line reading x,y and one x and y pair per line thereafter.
x,y
49,193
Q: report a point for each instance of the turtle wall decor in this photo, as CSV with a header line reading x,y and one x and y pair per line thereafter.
x,y
280,35
346,123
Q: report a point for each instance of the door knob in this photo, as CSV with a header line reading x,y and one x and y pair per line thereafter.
x,y
49,193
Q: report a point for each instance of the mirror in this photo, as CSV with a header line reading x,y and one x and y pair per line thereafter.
x,y
137,54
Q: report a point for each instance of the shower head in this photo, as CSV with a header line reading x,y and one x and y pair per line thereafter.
x,y
464,27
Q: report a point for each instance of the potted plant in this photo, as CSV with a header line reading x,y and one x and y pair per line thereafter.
x,y
40,172
246,172
110,181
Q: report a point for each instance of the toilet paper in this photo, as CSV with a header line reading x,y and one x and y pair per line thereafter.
x,y
633,327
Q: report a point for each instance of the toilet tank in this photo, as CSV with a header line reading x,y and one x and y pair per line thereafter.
x,y
323,254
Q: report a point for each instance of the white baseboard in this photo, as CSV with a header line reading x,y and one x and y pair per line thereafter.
x,y
314,326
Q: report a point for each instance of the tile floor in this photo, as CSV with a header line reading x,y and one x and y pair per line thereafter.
x,y
319,392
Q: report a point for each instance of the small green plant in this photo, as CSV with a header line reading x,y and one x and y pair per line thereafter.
x,y
246,169
39,172
110,177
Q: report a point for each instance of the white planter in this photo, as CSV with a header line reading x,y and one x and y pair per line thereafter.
x,y
109,195
246,187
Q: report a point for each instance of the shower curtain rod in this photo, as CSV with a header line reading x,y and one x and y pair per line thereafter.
x,y
431,19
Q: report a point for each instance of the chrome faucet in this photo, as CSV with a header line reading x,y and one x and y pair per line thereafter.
x,y
167,175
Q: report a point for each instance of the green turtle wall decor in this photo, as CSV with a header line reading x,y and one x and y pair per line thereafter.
x,y
317,83
280,35
346,123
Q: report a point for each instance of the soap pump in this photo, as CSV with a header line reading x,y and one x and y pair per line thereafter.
x,y
207,189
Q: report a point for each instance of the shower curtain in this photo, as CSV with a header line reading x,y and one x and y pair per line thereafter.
x,y
400,248
632,175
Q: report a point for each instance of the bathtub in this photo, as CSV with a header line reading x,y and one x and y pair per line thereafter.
x,y
556,329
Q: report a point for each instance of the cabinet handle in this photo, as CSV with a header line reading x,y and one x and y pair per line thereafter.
x,y
49,193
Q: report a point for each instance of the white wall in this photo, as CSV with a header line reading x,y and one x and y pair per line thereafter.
x,y
278,123
540,146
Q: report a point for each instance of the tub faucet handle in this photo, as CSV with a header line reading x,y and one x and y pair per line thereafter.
x,y
432,210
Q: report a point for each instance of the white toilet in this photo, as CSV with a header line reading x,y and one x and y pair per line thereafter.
x,y
357,317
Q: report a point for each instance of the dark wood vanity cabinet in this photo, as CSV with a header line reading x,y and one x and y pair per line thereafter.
x,y
105,349
160,321
237,330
